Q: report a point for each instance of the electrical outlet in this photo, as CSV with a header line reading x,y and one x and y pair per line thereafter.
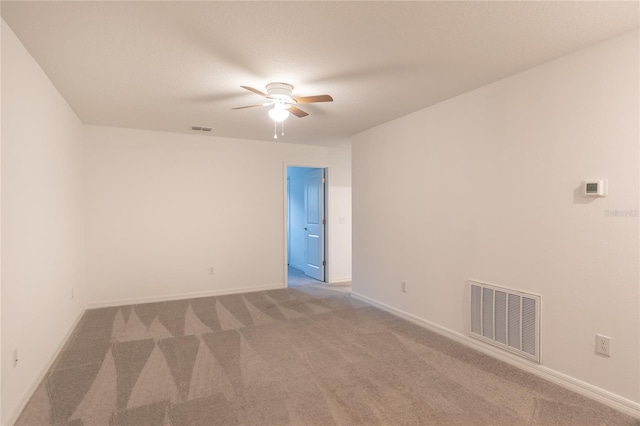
x,y
403,286
14,358
212,270
603,345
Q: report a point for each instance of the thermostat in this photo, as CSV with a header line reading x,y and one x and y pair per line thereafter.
x,y
595,188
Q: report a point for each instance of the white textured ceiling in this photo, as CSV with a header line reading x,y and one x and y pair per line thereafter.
x,y
170,65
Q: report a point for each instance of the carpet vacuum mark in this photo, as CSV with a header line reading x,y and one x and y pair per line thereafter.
x,y
305,355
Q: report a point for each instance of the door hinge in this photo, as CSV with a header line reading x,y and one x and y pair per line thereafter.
x,y
324,263
324,180
324,221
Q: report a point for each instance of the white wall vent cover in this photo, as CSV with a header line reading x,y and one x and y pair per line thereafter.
x,y
505,318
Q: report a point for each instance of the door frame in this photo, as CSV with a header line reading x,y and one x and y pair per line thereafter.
x,y
327,227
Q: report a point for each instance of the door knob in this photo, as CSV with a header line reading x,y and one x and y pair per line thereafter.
x,y
306,229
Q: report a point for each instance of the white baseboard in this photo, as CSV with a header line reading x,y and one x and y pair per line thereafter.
x,y
180,296
340,280
590,391
28,393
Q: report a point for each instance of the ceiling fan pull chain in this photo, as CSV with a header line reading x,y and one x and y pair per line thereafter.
x,y
282,124
275,130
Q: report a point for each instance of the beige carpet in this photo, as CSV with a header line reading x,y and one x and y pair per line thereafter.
x,y
307,355
298,278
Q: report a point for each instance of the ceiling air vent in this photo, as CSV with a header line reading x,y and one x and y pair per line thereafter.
x,y
202,128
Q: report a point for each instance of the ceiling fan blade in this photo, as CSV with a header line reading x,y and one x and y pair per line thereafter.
x,y
311,99
256,91
297,112
248,106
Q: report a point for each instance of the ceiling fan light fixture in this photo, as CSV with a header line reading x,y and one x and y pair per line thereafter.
x,y
278,113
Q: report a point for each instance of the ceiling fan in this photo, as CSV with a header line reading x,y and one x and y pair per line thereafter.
x,y
279,95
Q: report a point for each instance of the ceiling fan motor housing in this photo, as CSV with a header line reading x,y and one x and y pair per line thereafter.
x,y
280,91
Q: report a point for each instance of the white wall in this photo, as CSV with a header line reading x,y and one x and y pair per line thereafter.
x,y
485,186
161,208
339,221
41,221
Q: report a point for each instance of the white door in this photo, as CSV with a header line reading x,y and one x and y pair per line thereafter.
x,y
314,224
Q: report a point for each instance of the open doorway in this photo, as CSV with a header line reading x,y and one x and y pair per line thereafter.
x,y
306,225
